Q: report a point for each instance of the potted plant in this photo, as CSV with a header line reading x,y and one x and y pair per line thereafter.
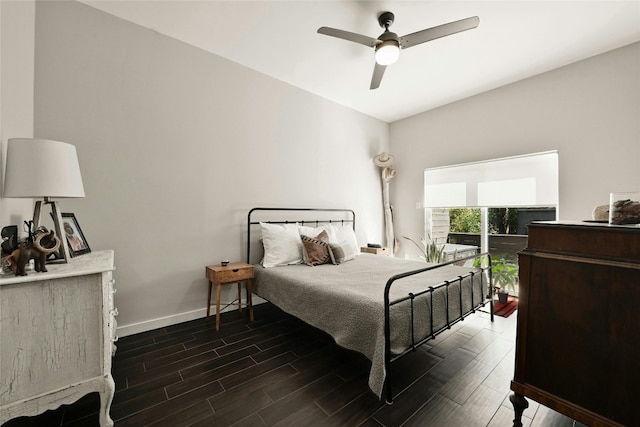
x,y
505,277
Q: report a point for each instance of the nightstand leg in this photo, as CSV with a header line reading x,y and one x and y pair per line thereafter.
x,y
249,303
209,301
239,297
218,289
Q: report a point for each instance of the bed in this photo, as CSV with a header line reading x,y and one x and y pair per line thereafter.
x,y
382,307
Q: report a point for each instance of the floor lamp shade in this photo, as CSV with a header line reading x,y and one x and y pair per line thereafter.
x,y
41,168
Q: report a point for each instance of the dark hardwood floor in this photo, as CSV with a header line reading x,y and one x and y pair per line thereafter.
x,y
278,371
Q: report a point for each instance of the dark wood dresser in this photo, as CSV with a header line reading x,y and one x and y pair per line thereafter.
x,y
578,334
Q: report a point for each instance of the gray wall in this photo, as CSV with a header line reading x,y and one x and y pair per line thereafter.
x,y
177,144
17,20
589,111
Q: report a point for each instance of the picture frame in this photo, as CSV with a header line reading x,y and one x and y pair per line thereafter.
x,y
78,244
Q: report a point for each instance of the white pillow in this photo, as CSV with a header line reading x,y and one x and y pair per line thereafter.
x,y
305,230
282,244
344,233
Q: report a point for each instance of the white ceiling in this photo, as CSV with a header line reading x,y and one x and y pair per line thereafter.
x,y
515,40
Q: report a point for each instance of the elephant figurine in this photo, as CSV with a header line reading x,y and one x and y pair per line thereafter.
x,y
44,243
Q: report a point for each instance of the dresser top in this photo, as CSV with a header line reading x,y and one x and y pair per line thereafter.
x,y
591,224
91,263
588,239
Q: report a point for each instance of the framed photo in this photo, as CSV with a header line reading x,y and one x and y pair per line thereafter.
x,y
77,243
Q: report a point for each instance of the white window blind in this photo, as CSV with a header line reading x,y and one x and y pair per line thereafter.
x,y
529,180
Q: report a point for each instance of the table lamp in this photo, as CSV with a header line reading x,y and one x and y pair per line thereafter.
x,y
42,168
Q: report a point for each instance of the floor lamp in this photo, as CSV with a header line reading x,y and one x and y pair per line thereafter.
x,y
43,169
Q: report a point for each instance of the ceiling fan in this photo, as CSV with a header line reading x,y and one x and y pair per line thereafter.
x,y
388,44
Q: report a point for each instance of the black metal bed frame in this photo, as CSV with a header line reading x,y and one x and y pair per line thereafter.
x,y
479,273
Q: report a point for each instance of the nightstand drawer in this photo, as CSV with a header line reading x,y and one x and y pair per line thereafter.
x,y
376,251
234,272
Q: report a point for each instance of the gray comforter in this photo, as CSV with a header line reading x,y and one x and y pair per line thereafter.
x,y
347,302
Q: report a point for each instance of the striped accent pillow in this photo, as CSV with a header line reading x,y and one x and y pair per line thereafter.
x,y
316,249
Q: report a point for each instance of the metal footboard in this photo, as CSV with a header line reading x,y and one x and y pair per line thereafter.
x,y
481,273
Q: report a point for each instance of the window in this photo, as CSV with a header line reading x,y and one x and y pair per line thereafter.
x,y
489,204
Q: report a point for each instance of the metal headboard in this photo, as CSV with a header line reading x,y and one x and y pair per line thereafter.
x,y
332,213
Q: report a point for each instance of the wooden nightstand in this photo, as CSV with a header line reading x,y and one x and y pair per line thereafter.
x,y
231,273
376,251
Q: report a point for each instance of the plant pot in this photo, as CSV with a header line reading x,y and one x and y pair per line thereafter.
x,y
502,296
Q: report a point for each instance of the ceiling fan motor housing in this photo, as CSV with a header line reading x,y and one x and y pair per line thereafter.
x,y
388,35
387,40
388,48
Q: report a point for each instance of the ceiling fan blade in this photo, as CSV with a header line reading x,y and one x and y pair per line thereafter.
x,y
347,35
439,31
378,72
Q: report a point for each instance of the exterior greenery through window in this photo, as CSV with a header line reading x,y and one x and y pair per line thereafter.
x,y
501,221
467,220
507,236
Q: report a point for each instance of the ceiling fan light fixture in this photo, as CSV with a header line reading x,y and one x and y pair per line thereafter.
x,y
387,52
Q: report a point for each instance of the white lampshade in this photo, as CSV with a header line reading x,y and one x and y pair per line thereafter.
x,y
387,52
42,168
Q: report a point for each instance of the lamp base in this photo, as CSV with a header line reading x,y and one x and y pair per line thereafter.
x,y
63,253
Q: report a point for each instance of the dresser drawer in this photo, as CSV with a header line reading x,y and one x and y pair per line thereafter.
x,y
234,272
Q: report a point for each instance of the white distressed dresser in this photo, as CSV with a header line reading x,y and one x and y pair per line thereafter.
x,y
57,334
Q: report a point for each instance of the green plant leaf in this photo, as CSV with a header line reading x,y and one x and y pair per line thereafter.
x,y
431,252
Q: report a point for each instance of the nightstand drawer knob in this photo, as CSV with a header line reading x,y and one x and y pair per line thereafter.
x,y
235,270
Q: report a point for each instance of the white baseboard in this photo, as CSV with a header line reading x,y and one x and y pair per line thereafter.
x,y
174,319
